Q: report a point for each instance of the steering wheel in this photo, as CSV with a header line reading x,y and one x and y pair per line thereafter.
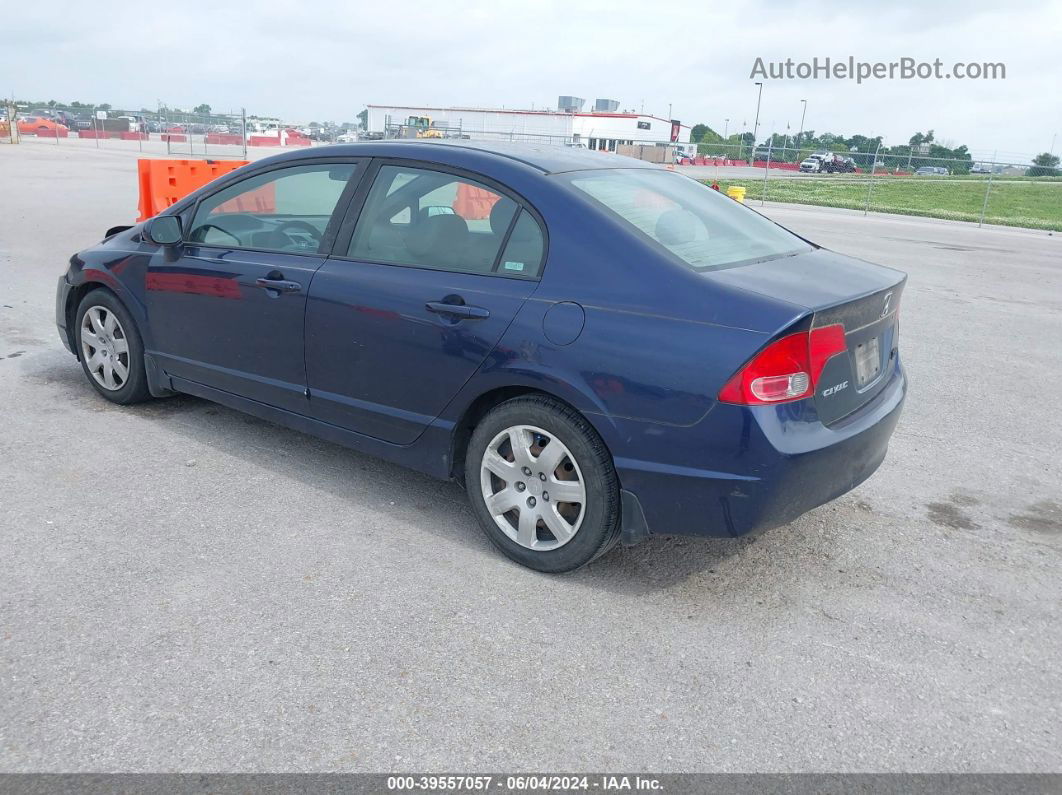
x,y
199,230
302,226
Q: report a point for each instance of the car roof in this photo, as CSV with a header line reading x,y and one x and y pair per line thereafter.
x,y
546,158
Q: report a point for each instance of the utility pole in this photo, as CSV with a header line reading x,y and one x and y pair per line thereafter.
x,y
802,112
756,124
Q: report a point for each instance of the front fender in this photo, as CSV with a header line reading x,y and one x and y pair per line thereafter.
x,y
121,273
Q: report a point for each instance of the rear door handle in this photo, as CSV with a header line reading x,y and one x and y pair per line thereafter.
x,y
280,285
457,310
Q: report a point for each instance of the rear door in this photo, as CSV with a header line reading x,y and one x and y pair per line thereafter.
x,y
228,310
428,272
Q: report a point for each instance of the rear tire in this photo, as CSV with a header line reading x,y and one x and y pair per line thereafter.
x,y
520,451
110,348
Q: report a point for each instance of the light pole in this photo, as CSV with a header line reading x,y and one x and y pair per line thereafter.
x,y
726,128
802,112
756,124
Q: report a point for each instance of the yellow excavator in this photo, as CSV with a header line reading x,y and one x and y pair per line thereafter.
x,y
422,126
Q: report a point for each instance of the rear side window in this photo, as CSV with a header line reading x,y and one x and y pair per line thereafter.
x,y
283,210
523,253
431,219
700,226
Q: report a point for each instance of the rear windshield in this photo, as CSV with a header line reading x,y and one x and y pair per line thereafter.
x,y
699,225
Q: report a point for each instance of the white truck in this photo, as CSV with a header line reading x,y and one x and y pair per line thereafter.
x,y
815,163
827,163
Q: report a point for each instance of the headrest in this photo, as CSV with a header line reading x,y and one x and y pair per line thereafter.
x,y
444,234
501,214
675,227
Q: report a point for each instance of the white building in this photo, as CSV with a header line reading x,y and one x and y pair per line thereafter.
x,y
595,130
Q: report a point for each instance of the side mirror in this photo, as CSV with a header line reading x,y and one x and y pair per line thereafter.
x,y
165,230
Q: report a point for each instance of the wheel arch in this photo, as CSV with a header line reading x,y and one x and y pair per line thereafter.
x,y
487,400
73,301
157,381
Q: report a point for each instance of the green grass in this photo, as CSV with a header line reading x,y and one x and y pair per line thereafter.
x,y
1012,202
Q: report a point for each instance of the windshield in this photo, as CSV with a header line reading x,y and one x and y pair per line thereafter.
x,y
701,226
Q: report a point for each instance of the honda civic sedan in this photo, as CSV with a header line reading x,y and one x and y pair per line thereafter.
x,y
599,349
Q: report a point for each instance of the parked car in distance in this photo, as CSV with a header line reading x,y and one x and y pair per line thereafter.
x,y
813,163
596,347
62,117
136,123
830,164
932,171
39,125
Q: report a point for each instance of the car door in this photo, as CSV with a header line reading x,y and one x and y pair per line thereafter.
x,y
417,293
227,308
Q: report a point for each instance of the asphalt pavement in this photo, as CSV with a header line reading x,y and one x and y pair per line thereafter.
x,y
185,588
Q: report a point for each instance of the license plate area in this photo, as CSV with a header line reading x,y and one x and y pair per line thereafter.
x,y
867,362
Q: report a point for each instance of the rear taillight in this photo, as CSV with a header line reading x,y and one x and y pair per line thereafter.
x,y
787,369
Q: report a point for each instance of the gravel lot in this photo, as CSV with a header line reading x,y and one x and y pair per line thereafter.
x,y
186,588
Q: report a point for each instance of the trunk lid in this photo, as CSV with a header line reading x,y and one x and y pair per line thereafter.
x,y
863,297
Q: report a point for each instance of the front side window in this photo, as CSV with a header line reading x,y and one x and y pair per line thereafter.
x,y
700,226
431,219
283,210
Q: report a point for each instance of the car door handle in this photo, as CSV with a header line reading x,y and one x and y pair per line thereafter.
x,y
457,310
280,285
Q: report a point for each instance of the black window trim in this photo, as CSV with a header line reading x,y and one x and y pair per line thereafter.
x,y
361,164
356,204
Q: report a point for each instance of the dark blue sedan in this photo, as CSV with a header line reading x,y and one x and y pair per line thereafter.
x,y
598,348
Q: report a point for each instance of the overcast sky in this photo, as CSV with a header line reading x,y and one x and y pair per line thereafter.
x,y
319,60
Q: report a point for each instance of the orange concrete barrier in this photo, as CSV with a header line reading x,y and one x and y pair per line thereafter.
x,y
224,139
165,182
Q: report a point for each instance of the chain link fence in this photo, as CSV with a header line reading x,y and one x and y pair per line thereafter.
x,y
992,190
159,131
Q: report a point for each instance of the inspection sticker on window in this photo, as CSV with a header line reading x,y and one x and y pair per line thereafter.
x,y
514,266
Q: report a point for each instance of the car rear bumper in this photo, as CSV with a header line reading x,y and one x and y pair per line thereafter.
x,y
772,469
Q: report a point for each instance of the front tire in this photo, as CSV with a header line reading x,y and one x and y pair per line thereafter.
x,y
110,348
542,484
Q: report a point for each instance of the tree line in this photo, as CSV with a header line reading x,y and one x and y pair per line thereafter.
x,y
922,149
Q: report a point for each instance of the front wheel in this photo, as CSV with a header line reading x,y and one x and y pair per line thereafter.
x,y
112,354
542,484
